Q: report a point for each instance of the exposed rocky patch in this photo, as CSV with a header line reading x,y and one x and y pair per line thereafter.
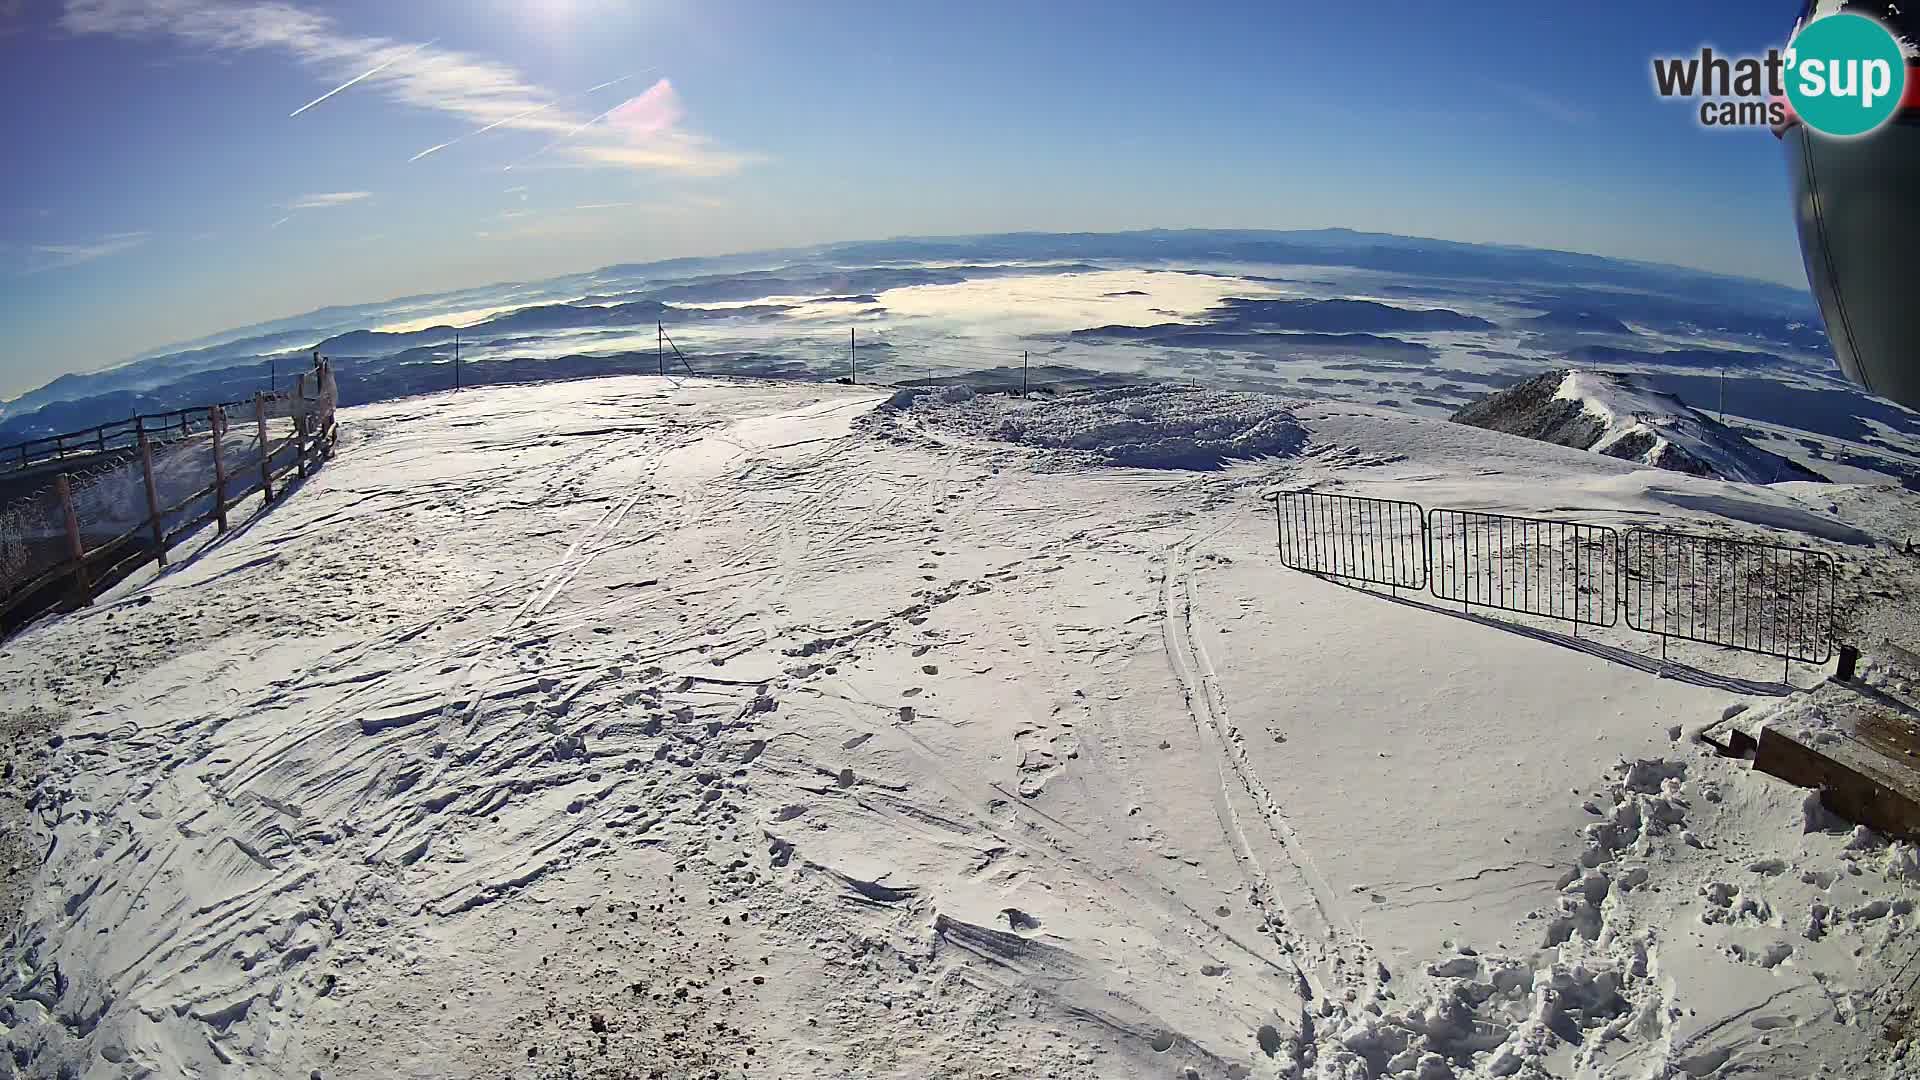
x,y
1611,413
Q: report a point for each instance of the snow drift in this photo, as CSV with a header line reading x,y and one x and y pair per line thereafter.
x,y
1614,414
1153,427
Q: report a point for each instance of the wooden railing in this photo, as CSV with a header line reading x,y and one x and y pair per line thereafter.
x,y
159,428
89,570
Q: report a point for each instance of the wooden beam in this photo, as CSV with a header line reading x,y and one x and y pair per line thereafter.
x,y
266,456
300,422
76,548
153,500
217,423
1871,777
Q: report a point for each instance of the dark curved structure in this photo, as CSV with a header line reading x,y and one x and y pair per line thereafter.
x,y
1857,204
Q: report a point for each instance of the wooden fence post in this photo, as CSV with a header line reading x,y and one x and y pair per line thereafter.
x,y
76,549
217,423
153,499
300,422
266,458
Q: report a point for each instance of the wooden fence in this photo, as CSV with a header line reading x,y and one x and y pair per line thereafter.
x,y
82,571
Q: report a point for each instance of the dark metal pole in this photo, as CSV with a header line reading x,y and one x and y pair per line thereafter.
x,y
1023,373
853,358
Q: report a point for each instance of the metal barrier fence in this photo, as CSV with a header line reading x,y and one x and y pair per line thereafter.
x,y
1771,599
1757,597
1534,566
1374,540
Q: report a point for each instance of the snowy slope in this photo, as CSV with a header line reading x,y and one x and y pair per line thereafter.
x,y
1612,413
599,728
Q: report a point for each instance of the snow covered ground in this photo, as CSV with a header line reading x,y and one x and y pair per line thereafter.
x,y
640,726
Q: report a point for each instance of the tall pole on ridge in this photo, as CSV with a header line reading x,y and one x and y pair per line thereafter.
x,y
853,358
659,347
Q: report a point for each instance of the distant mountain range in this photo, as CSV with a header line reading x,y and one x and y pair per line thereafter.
x,y
1368,316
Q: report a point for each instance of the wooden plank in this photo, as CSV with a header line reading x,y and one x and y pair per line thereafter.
x,y
266,458
217,423
153,500
1868,772
300,422
76,548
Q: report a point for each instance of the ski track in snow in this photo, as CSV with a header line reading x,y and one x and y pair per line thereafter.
x,y
625,727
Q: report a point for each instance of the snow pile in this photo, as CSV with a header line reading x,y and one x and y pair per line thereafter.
x,y
1153,427
1697,877
1613,414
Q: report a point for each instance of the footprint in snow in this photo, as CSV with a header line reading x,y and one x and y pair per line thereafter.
x,y
1019,920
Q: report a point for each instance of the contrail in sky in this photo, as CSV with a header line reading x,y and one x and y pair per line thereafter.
x,y
357,78
577,130
482,131
519,116
614,82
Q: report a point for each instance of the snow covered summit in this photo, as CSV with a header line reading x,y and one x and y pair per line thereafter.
x,y
1613,413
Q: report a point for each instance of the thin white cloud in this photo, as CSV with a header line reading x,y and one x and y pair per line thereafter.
x,y
41,257
461,86
325,199
281,222
1547,105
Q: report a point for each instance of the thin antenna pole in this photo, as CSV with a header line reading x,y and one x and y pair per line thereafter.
x,y
456,361
1023,373
659,346
853,358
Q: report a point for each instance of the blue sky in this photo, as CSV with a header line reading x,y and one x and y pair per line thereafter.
x,y
158,187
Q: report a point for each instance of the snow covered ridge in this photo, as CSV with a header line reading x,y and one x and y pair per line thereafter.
x,y
1614,414
1153,427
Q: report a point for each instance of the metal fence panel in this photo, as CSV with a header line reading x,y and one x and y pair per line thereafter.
x,y
1535,566
1380,541
1757,597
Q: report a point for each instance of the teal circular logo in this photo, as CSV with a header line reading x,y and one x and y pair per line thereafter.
x,y
1845,74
